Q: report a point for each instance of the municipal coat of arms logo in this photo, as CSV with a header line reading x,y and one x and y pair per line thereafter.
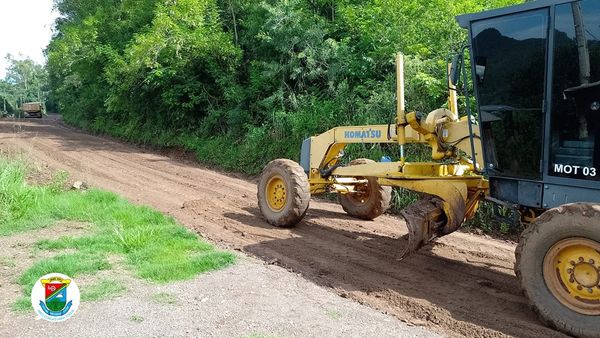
x,y
55,297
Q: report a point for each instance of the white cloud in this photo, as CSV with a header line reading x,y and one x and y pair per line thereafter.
x,y
25,29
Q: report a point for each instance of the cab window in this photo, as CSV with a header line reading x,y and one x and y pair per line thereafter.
x,y
575,115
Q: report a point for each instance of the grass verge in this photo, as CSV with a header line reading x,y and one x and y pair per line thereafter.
x,y
155,247
103,289
164,298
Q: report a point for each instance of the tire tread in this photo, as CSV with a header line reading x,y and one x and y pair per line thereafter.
x,y
541,224
380,204
299,189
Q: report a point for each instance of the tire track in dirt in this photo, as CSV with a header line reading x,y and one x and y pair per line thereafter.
x,y
355,267
461,286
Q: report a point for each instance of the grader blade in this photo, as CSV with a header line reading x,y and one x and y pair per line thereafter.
x,y
426,220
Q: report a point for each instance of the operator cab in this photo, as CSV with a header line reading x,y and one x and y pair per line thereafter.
x,y
536,76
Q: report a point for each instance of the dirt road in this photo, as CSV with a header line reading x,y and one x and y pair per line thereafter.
x,y
462,286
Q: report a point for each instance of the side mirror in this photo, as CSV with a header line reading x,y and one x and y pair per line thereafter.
x,y
457,63
480,68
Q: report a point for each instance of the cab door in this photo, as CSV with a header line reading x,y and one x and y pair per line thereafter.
x,y
510,63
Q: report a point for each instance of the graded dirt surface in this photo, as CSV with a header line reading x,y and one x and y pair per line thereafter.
x,y
463,285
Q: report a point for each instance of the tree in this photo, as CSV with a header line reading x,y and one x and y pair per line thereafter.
x,y
227,77
25,81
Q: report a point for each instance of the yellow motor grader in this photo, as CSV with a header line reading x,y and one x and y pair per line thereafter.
x,y
532,146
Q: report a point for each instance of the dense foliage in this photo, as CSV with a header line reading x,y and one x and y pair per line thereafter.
x,y
240,82
25,81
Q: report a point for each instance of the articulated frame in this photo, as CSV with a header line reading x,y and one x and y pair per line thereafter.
x,y
458,185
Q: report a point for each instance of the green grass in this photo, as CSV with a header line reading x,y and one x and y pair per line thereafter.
x,y
22,305
155,247
7,262
486,221
69,264
333,314
103,289
164,298
136,319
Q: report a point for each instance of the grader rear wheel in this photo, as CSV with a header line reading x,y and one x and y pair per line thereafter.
x,y
283,193
370,200
558,265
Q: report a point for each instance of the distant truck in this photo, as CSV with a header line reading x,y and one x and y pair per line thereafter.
x,y
33,109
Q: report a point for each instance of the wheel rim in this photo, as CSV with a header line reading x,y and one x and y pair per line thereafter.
x,y
360,196
276,193
572,273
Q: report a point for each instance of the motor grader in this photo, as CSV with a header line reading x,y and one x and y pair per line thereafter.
x,y
532,145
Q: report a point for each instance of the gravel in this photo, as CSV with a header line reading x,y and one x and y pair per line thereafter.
x,y
249,299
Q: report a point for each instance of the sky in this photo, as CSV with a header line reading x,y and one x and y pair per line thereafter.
x,y
25,29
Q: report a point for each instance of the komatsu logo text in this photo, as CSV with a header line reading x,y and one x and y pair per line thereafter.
x,y
363,134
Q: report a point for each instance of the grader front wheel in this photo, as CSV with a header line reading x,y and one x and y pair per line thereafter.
x,y
370,200
283,193
558,265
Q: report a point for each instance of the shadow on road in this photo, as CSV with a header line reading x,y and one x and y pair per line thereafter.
x,y
366,267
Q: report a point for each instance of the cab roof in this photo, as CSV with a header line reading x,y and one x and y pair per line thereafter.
x,y
465,20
